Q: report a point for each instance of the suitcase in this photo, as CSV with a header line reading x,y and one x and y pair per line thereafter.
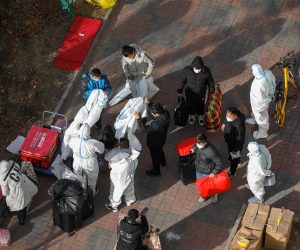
x,y
88,205
67,222
187,171
210,186
184,147
39,146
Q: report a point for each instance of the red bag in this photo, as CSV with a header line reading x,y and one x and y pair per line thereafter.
x,y
39,146
209,186
184,147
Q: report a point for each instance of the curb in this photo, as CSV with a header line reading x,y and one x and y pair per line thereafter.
x,y
78,74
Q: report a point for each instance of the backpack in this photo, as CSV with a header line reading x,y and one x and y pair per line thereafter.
x,y
181,112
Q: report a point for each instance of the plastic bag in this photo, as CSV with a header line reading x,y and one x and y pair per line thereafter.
x,y
4,237
58,167
69,175
209,186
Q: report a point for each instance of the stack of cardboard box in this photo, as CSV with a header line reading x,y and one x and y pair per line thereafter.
x,y
253,231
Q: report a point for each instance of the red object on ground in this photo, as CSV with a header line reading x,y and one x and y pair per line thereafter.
x,y
209,186
39,146
184,147
77,43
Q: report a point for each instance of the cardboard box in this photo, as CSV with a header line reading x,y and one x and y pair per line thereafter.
x,y
277,235
39,146
256,216
255,238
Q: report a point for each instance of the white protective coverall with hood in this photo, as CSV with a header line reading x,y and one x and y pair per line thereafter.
x,y
15,186
85,151
72,131
258,168
139,66
90,113
123,163
261,93
125,121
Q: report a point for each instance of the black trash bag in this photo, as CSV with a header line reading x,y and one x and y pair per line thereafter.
x,y
68,195
107,136
181,112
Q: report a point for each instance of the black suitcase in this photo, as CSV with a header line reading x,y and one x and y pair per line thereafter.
x,y
187,170
67,222
88,205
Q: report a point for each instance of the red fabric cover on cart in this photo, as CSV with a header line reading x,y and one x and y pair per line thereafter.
x,y
77,43
184,147
209,186
39,146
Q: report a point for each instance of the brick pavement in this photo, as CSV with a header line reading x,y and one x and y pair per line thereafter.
x,y
230,35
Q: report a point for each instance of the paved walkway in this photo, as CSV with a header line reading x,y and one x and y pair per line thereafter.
x,y
230,35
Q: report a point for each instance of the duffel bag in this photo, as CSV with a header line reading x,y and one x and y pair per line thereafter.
x,y
210,186
184,147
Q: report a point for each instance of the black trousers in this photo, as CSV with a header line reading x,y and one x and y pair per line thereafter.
x,y
233,162
158,157
21,214
195,102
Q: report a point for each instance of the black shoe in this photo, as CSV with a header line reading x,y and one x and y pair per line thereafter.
x,y
98,125
109,207
22,222
152,173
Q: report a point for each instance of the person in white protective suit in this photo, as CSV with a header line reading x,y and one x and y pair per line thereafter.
x,y
91,112
72,131
125,121
85,151
123,163
261,94
258,168
17,188
137,66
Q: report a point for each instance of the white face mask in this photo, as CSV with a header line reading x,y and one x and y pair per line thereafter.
x,y
199,146
197,71
229,119
94,78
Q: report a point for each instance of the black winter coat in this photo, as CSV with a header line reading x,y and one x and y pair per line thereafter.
x,y
208,160
156,130
129,234
197,83
234,133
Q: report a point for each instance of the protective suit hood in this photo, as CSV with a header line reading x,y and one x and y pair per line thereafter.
x,y
85,131
253,148
258,71
197,63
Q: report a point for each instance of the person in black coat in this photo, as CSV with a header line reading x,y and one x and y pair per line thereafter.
x,y
156,135
208,161
196,81
234,134
130,231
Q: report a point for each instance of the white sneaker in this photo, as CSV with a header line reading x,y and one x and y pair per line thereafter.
x,y
128,204
250,120
259,135
191,119
201,120
214,198
254,199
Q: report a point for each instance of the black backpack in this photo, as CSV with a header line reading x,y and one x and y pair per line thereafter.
x,y
181,112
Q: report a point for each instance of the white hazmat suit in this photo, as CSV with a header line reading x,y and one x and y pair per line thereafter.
x,y
123,163
125,121
72,131
261,93
85,151
259,165
90,113
15,186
